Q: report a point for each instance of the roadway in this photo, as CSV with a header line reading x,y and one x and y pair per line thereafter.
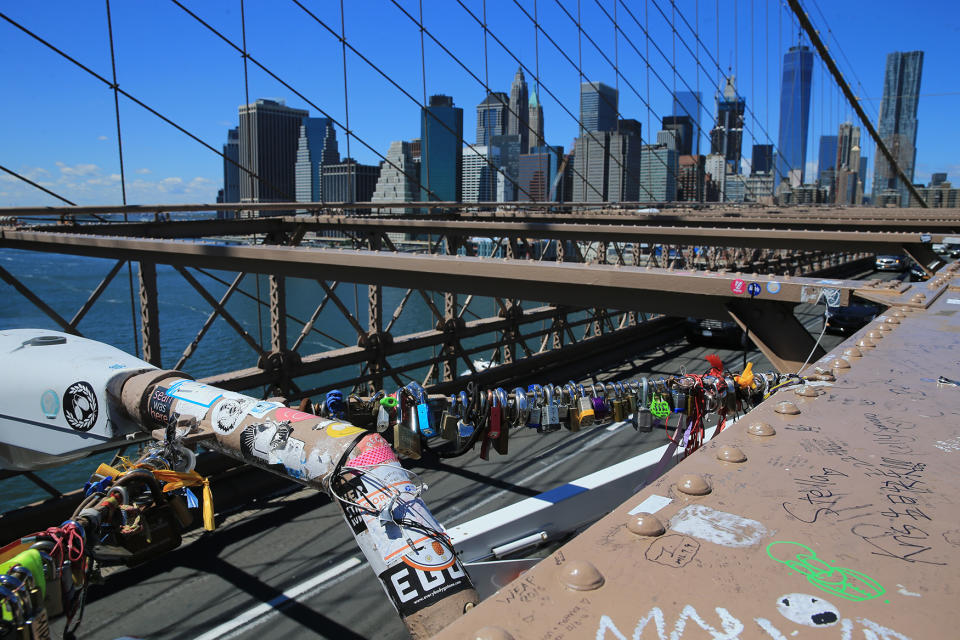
x,y
287,566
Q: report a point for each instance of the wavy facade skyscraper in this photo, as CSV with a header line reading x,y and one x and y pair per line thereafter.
x,y
898,121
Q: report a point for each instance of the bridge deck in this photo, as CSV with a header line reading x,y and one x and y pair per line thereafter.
x,y
843,517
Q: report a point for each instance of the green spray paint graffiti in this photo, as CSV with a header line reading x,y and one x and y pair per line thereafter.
x,y
840,581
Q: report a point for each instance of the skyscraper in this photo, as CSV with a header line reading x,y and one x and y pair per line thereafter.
x,y
591,160
762,161
794,114
624,169
231,172
492,117
898,121
536,137
827,165
538,171
849,189
726,137
519,124
399,177
479,177
658,173
687,103
441,134
316,146
598,107
269,131
349,181
683,125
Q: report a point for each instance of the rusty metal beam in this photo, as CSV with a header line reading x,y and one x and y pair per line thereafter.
x,y
672,292
149,311
778,333
705,209
243,333
192,347
717,232
25,291
95,295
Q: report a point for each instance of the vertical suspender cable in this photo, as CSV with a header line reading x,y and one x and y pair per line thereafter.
x,y
123,179
246,96
351,183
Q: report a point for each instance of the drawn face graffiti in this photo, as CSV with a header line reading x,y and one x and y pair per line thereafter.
x,y
808,610
260,440
80,406
228,414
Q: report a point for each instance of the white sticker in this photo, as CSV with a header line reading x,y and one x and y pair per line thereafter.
x,y
953,300
718,527
810,294
229,413
651,505
262,408
834,282
195,393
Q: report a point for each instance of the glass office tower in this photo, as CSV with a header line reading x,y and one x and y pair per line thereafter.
x,y
441,150
794,115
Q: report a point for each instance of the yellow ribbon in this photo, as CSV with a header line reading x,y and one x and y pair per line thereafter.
x,y
173,480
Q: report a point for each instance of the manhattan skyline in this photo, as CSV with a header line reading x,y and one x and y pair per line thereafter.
x,y
200,84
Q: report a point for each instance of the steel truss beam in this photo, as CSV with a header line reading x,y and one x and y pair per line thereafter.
x,y
613,286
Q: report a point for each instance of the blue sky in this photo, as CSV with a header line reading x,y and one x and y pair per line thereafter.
x,y
58,126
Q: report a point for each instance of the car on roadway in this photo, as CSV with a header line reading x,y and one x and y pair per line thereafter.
x,y
707,331
851,318
890,263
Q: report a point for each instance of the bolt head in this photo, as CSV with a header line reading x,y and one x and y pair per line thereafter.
x,y
645,524
761,429
840,363
786,408
693,484
730,453
580,575
852,352
492,633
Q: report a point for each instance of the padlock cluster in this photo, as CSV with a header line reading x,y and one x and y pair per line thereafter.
x,y
129,514
450,426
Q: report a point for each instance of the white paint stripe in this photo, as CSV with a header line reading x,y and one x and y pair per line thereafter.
x,y
617,425
508,514
290,594
536,474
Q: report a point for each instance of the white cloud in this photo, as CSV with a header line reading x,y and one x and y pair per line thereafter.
x,y
143,171
78,169
88,184
102,138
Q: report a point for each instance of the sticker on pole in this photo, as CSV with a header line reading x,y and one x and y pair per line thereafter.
x,y
773,287
753,289
738,286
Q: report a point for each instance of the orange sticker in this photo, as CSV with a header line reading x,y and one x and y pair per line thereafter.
x,y
342,430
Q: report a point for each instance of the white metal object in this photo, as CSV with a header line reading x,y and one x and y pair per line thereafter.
x,y
54,390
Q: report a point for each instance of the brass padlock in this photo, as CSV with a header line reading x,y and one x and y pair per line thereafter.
x,y
449,420
585,406
617,403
